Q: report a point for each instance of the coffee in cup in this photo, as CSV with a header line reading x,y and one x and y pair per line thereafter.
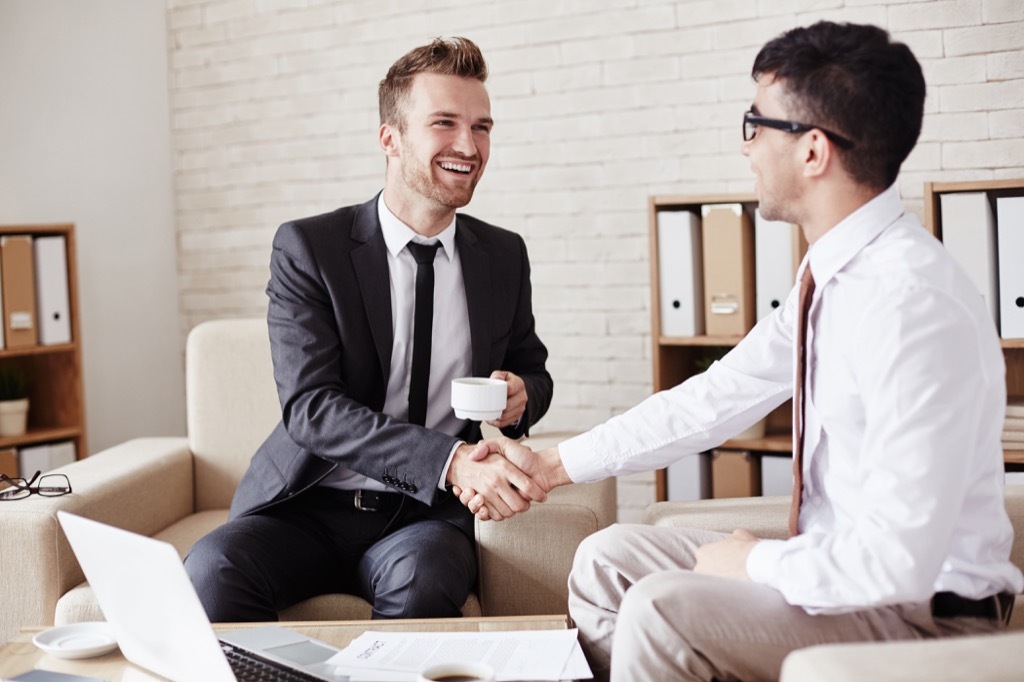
x,y
458,672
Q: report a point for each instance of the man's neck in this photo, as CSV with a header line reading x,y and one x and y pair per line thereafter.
x,y
423,217
830,205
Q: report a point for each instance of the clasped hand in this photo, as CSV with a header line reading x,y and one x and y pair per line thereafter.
x,y
497,479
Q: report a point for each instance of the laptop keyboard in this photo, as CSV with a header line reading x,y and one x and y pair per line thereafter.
x,y
251,668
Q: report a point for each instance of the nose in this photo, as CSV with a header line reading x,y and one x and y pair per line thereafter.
x,y
745,147
464,143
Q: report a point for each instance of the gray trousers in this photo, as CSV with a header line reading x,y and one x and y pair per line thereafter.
x,y
405,565
643,614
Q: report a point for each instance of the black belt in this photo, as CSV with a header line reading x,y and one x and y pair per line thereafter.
x,y
370,500
952,605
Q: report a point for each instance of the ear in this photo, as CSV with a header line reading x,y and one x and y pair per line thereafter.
x,y
390,139
817,154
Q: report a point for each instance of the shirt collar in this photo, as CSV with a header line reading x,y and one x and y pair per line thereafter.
x,y
842,243
397,234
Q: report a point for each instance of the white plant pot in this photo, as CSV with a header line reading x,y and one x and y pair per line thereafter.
x,y
13,417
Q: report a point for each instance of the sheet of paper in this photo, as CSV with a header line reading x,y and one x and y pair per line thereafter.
x,y
516,655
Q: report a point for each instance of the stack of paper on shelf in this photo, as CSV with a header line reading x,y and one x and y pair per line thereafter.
x,y
1013,427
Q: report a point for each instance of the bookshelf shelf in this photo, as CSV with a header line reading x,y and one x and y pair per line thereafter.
x,y
56,400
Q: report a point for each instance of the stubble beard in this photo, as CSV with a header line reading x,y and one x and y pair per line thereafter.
x,y
422,180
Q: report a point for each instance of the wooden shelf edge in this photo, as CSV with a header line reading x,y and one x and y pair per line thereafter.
x,y
38,350
974,185
34,436
699,199
699,340
773,442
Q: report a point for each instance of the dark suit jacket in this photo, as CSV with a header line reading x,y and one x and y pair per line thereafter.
x,y
331,337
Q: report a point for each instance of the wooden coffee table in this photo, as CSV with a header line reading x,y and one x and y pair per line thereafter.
x,y
20,654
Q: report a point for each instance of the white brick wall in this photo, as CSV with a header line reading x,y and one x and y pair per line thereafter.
x,y
597,106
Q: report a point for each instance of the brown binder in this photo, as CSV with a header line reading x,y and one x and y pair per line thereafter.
x,y
735,473
9,462
729,302
17,270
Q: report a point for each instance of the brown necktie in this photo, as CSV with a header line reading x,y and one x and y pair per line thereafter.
x,y
806,293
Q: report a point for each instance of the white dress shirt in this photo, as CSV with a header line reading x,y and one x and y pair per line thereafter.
x,y
450,351
903,466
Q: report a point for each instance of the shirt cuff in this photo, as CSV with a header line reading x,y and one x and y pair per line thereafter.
x,y
580,459
763,561
442,484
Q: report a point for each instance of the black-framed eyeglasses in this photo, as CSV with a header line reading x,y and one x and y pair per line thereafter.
x,y
50,485
751,121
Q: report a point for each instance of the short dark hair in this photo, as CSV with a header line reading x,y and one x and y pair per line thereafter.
x,y
449,57
854,80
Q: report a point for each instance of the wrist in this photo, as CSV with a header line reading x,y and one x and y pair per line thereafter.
x,y
551,464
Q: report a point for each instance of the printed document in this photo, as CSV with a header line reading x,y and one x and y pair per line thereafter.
x,y
515,655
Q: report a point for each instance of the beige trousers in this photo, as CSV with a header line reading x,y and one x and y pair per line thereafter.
x,y
643,614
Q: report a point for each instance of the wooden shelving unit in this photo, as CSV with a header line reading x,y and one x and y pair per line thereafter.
x,y
56,400
676,358
1013,349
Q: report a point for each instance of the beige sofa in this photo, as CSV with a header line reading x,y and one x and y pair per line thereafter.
x,y
177,489
990,658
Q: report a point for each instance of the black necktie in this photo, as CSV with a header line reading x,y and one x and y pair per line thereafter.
x,y
423,322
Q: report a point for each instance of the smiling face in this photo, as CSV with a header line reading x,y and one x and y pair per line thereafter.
x,y
774,156
439,155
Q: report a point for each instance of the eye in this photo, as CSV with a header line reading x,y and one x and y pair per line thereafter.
x,y
483,128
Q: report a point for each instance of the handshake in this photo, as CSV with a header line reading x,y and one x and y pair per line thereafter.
x,y
497,479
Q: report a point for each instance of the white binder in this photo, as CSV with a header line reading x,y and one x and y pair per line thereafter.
x,y
680,274
52,302
1010,225
689,478
33,458
969,232
61,453
773,263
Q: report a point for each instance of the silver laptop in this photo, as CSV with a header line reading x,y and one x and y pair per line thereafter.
x,y
160,625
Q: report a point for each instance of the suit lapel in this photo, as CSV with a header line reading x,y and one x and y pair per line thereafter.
x,y
370,262
476,276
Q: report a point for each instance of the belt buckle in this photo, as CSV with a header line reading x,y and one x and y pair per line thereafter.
x,y
357,501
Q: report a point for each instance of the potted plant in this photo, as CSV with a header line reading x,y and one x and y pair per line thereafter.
x,y
13,400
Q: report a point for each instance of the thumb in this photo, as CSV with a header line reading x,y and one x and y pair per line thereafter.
x,y
743,534
481,450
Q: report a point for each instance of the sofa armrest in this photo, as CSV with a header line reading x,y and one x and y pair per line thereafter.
x,y
525,560
987,657
142,485
765,517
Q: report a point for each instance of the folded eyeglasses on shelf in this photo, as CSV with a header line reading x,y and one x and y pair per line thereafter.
x,y
50,485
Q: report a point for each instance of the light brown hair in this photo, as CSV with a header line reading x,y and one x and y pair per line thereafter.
x,y
447,57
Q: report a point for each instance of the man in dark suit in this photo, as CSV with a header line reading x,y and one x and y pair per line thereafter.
x,y
350,493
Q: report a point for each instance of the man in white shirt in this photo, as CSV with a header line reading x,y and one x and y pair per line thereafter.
x,y
899,526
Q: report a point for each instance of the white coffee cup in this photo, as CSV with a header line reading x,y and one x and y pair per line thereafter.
x,y
458,672
479,398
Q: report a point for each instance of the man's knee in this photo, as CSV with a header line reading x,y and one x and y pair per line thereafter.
x,y
431,578
602,547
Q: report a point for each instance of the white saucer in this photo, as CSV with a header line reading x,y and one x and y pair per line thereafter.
x,y
81,640
482,416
